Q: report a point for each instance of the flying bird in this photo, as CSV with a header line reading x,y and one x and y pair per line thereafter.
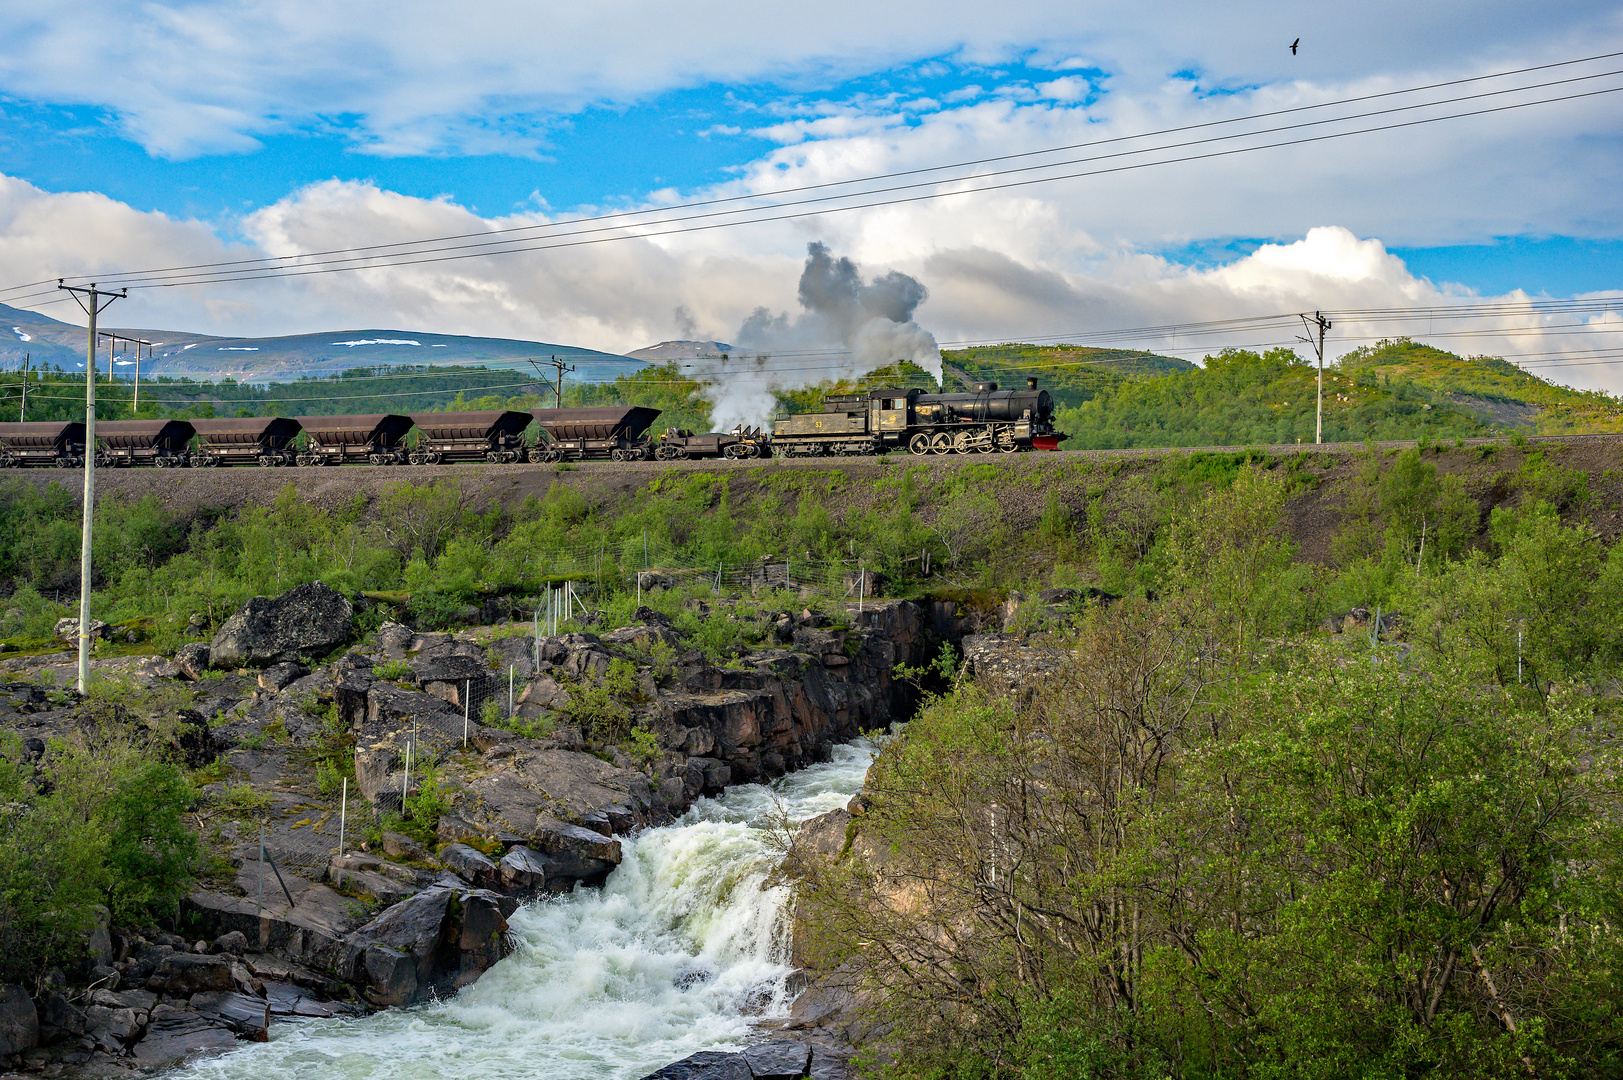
x,y
1295,43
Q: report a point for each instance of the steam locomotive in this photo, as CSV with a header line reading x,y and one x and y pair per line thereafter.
x,y
877,421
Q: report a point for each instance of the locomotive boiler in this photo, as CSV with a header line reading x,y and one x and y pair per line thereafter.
x,y
982,421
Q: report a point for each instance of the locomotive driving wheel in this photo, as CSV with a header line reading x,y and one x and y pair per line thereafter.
x,y
941,443
919,444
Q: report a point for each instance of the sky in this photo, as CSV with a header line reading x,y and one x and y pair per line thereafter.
x,y
173,133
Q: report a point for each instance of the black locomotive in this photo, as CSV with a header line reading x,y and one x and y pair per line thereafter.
x,y
888,418
874,422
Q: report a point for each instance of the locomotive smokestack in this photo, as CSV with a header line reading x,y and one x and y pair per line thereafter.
x,y
1031,382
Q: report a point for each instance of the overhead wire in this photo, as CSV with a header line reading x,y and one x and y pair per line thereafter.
x,y
154,279
653,210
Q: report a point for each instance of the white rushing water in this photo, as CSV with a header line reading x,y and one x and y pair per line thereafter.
x,y
678,951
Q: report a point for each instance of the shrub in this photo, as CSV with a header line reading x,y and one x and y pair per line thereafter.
x,y
150,848
392,670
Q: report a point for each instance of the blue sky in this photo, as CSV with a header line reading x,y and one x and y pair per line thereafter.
x,y
224,128
602,155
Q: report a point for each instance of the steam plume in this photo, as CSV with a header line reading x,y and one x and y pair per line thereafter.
x,y
845,329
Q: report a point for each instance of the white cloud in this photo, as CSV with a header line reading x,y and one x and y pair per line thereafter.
x,y
188,77
1006,272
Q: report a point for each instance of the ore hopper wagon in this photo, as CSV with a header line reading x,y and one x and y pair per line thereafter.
x,y
496,436
373,438
56,444
245,440
676,444
143,442
615,432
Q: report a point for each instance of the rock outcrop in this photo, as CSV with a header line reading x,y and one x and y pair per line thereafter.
x,y
307,621
68,630
531,807
780,1059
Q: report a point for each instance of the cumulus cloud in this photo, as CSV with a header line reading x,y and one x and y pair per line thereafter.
x,y
1006,267
194,78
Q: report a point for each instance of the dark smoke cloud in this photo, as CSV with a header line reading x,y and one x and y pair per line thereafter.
x,y
846,328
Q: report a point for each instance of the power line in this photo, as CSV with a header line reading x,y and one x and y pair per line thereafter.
x,y
150,279
620,215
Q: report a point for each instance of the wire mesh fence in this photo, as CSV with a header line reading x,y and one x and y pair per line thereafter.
x,y
296,838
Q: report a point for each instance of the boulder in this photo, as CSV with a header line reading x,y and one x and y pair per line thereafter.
x,y
234,941
705,1065
275,677
112,1028
139,1000
68,630
825,1066
471,865
482,935
550,784
780,1059
454,830
400,846
248,1016
175,1035
193,659
58,1019
547,693
357,872
524,871
185,974
19,1023
308,620
397,948
447,677
574,852
99,940
402,955
394,639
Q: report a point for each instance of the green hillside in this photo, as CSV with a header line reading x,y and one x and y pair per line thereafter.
x,y
1500,393
1394,390
1072,373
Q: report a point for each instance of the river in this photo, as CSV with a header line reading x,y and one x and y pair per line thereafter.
x,y
680,950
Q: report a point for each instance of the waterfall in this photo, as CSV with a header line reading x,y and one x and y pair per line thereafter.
x,y
679,950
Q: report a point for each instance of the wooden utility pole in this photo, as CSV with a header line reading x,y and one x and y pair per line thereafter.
x,y
22,410
135,400
1322,324
94,301
558,386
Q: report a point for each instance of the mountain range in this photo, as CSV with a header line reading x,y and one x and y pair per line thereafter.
x,y
43,340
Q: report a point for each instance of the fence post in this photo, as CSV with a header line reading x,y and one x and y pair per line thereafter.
x,y
509,691
862,587
405,777
467,692
259,903
536,660
343,817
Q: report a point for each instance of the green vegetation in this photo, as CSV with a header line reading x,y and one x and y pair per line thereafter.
x,y
1218,841
1071,373
99,822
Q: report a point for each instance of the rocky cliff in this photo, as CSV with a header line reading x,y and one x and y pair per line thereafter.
x,y
609,731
